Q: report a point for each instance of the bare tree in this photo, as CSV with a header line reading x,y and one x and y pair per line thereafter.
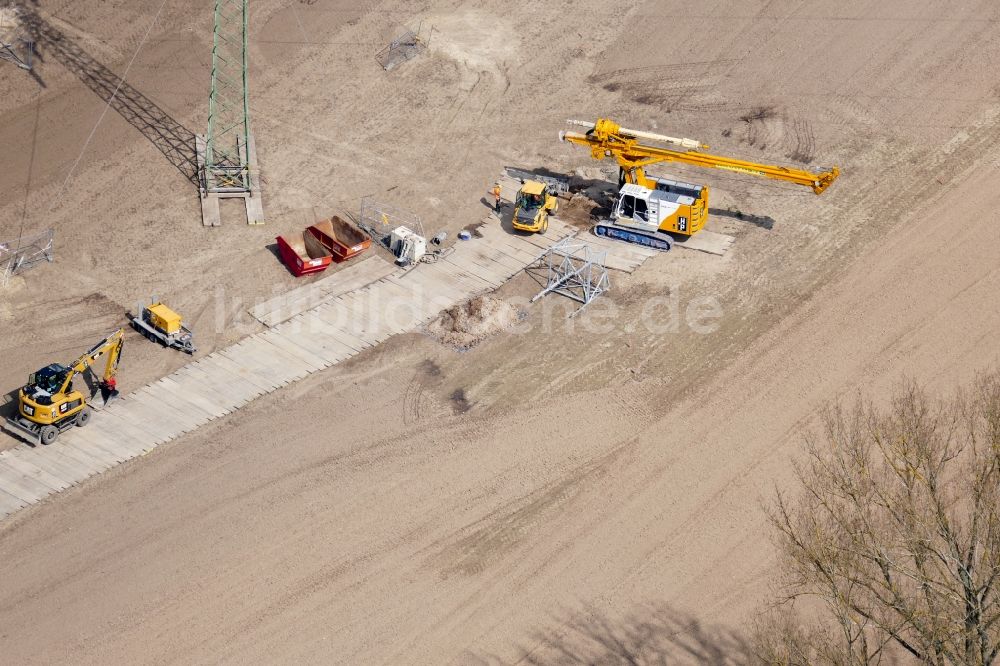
x,y
896,533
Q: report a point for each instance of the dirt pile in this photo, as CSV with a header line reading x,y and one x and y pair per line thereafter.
x,y
467,324
10,24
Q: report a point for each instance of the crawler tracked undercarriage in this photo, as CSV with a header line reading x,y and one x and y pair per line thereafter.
x,y
653,239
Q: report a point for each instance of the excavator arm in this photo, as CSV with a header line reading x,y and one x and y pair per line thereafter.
x,y
111,347
606,138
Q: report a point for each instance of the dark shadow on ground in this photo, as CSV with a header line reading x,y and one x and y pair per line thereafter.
x,y
762,221
540,171
274,249
652,634
176,142
8,403
576,183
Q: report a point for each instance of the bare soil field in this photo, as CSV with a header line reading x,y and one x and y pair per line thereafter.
x,y
581,490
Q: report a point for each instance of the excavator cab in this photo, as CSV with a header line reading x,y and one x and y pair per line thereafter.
x,y
672,207
46,382
532,207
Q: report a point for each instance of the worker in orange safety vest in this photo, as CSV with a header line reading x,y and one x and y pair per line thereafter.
x,y
496,196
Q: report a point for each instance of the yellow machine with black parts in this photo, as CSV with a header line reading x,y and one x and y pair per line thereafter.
x,y
648,208
534,203
49,403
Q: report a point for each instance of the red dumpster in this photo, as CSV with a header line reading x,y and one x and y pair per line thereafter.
x,y
341,238
304,254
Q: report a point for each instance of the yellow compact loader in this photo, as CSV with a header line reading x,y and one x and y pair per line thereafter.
x,y
49,404
533,206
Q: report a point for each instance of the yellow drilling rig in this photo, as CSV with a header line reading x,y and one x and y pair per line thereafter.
x,y
649,208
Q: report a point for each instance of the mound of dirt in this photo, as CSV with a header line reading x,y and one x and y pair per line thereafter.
x,y
469,323
10,24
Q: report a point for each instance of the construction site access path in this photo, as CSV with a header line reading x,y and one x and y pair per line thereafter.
x,y
336,326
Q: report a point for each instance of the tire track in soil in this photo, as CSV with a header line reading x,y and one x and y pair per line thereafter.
x,y
799,139
472,549
666,86
428,374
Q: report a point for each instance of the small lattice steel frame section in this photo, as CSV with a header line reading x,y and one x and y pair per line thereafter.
x,y
379,219
15,47
576,271
18,255
405,47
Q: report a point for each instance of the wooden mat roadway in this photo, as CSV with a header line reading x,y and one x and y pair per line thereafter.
x,y
357,274
342,325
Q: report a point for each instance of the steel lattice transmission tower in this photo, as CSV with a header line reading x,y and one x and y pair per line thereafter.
x,y
227,155
14,45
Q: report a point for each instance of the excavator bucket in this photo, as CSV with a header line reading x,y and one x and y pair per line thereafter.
x,y
108,394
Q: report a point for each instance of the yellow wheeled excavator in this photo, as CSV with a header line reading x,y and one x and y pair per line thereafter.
x,y
650,208
49,404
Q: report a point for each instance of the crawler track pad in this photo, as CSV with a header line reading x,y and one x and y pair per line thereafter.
x,y
655,241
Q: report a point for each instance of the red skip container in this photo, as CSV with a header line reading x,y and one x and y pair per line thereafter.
x,y
341,238
304,254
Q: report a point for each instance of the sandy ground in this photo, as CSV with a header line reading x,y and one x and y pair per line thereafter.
x,y
569,492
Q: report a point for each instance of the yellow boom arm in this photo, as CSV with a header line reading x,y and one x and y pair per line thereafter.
x,y
111,345
608,139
